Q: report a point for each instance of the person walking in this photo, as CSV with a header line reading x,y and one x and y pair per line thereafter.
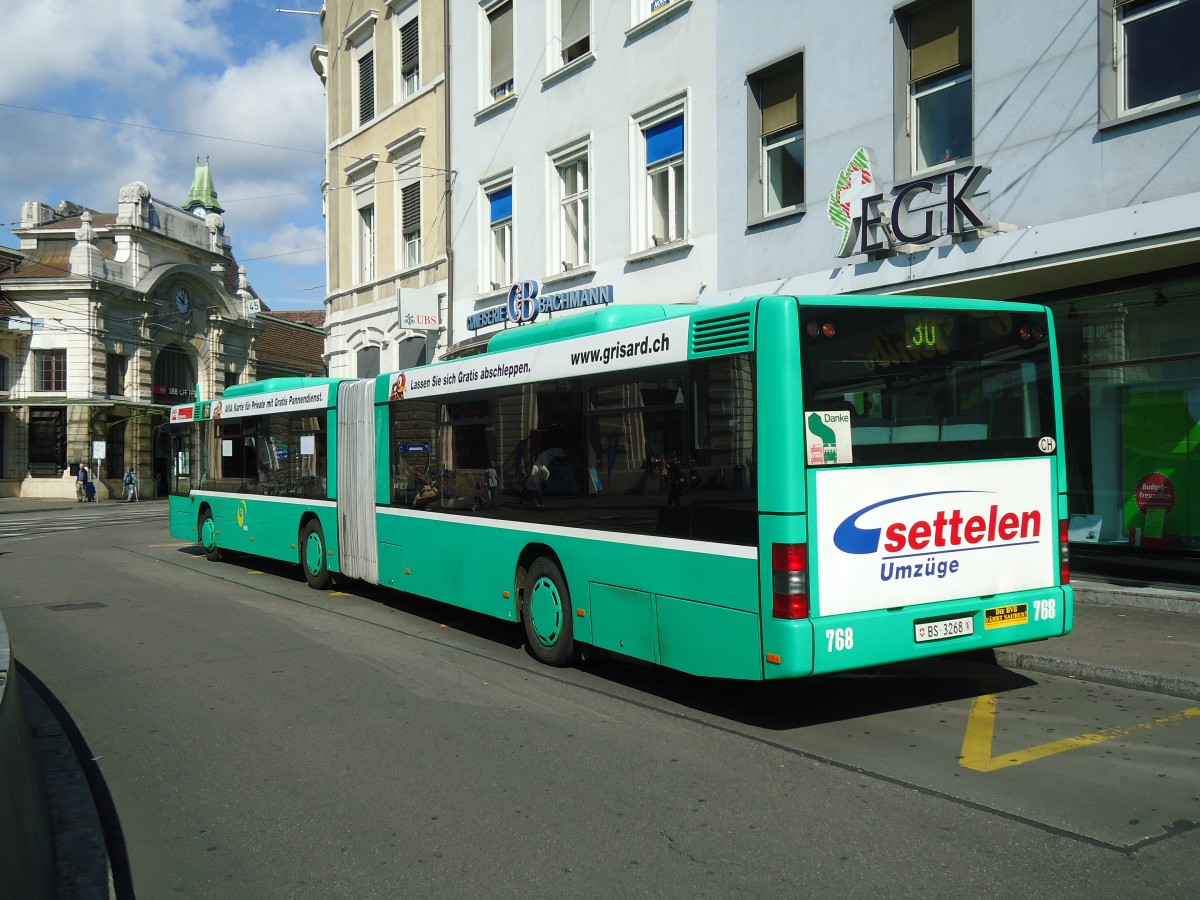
x,y
81,480
130,482
491,481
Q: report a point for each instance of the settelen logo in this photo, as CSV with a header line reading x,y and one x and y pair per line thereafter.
x,y
910,547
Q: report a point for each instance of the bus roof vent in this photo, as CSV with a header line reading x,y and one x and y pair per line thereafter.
x,y
730,333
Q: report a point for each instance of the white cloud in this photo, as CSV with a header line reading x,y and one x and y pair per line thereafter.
x,y
288,245
47,44
167,68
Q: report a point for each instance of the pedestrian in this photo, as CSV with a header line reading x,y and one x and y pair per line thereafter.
x,y
539,477
491,481
130,483
81,480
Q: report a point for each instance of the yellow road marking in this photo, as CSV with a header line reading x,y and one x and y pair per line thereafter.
x,y
977,743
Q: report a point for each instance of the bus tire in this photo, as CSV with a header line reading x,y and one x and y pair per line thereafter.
x,y
208,535
546,612
313,559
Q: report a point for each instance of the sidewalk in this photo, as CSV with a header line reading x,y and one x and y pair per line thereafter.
x,y
1144,638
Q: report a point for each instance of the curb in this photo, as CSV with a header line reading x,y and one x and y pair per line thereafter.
x,y
1159,599
1153,682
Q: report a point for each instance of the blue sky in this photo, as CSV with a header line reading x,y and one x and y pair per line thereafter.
x,y
226,80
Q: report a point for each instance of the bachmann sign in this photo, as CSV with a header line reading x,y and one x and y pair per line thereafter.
x,y
525,303
871,223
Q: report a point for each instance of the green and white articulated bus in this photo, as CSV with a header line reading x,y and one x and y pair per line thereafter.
x,y
776,488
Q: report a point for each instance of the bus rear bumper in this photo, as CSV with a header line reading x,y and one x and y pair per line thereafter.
x,y
881,637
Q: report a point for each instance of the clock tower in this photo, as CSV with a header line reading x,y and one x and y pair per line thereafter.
x,y
202,197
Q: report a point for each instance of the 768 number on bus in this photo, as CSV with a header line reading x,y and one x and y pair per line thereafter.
x,y
840,638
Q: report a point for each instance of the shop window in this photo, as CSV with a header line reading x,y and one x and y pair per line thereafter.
x,y
937,102
47,441
1131,403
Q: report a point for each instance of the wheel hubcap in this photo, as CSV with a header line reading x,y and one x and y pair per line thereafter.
x,y
312,554
545,606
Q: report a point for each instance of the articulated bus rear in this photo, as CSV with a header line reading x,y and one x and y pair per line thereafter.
x,y
926,511
251,472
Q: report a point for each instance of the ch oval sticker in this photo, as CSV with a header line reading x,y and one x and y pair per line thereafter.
x,y
1047,444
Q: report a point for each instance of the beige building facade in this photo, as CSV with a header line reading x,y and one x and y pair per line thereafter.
x,y
109,320
386,190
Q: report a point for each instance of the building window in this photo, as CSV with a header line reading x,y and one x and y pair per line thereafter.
x,y
366,243
574,29
574,220
364,81
500,50
410,54
410,216
231,378
500,218
778,119
1154,53
174,379
115,367
4,383
939,113
664,181
367,362
51,370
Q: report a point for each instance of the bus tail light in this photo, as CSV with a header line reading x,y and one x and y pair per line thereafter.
x,y
1064,555
789,581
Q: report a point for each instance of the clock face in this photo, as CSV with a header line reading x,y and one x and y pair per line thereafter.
x,y
182,300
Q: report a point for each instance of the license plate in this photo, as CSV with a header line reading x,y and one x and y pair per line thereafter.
x,y
944,628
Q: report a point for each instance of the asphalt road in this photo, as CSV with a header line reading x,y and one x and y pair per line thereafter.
x,y
259,739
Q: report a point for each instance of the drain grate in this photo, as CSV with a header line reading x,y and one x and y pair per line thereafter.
x,y
71,607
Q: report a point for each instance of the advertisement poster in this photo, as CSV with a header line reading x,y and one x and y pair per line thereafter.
x,y
887,537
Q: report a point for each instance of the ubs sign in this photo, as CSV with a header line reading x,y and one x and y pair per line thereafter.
x,y
870,224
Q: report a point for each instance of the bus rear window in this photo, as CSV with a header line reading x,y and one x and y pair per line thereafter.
x,y
925,385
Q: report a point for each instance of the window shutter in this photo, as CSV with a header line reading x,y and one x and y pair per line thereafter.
x,y
410,207
502,45
782,98
663,140
574,22
366,87
501,203
410,47
939,38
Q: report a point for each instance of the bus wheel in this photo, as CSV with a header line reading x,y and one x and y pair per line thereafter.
x,y
208,535
312,556
546,612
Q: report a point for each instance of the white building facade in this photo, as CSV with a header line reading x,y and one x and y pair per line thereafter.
x,y
701,151
387,267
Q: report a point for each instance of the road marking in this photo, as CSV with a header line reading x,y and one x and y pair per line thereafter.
x,y
981,725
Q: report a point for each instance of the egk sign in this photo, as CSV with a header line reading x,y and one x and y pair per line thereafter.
x,y
870,224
